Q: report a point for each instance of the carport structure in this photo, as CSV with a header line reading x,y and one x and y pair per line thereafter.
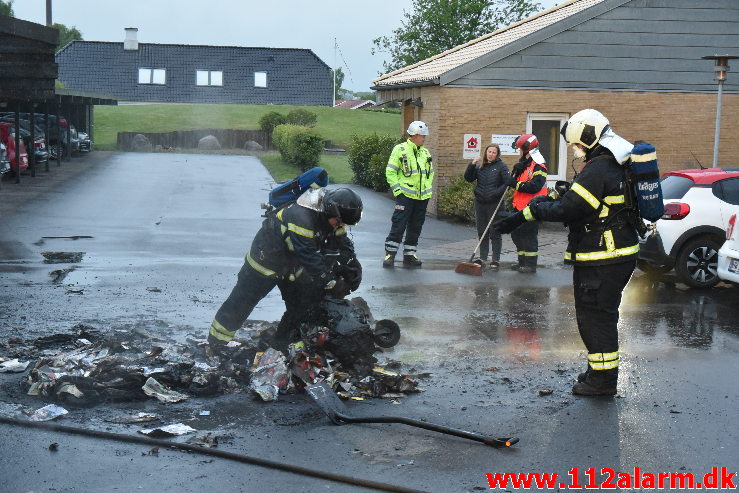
x,y
28,75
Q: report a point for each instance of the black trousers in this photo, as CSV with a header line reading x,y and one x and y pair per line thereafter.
x,y
251,287
598,291
526,239
483,213
408,219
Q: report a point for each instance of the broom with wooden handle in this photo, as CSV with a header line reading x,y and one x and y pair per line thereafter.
x,y
470,268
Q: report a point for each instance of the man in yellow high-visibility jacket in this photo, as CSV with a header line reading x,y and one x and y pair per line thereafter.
x,y
410,174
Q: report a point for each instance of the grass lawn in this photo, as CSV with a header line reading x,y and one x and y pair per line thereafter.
x,y
334,124
336,165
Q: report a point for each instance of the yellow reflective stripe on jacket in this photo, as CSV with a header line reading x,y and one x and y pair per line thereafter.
x,y
289,243
603,361
299,230
220,332
603,255
528,215
258,267
614,199
610,244
587,196
539,173
340,231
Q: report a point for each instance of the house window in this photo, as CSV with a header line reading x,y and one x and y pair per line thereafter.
x,y
552,146
152,76
260,79
209,77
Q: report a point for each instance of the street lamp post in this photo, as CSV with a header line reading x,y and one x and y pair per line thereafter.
x,y
721,68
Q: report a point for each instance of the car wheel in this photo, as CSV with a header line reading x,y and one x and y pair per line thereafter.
x,y
697,262
652,269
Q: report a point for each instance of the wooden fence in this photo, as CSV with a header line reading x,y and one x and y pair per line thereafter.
x,y
188,139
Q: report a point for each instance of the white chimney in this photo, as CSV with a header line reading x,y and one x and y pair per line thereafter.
x,y
131,42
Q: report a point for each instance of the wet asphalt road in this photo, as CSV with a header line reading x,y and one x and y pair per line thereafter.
x,y
167,235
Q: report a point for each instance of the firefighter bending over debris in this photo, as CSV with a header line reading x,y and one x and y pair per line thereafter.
x,y
292,251
602,241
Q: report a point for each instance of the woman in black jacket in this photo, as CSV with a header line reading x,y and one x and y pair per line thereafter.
x,y
491,175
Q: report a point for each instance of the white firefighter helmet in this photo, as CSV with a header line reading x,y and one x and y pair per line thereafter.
x,y
585,127
418,128
590,127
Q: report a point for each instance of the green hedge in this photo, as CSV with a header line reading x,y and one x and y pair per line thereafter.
x,y
298,145
368,156
270,120
302,117
457,200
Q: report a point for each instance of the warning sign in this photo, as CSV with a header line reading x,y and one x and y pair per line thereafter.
x,y
471,146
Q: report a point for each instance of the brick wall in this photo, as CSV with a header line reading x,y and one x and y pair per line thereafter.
x,y
680,125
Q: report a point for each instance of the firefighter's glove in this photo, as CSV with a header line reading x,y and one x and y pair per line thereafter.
x,y
351,272
509,223
518,168
537,200
340,289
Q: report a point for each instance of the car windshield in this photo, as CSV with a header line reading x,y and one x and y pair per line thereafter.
x,y
675,187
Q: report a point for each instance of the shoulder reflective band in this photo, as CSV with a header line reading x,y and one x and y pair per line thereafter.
x,y
258,267
603,361
586,196
539,173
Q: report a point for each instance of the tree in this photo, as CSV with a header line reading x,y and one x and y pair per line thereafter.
x,y
67,34
434,26
6,8
339,80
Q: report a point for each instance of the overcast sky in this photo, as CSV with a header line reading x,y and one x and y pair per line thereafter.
x,y
311,24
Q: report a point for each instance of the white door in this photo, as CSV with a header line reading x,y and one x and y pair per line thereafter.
x,y
546,127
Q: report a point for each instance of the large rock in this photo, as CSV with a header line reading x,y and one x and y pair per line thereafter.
x,y
252,146
209,143
140,143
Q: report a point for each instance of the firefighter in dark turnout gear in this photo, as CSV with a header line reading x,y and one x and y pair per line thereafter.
x,y
410,176
602,241
528,180
289,252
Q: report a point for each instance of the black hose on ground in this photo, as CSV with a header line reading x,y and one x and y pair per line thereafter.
x,y
281,466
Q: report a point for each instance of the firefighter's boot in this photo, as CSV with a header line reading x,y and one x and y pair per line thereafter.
x,y
389,260
411,260
597,383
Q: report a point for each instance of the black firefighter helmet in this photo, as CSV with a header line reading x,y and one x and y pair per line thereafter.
x,y
344,204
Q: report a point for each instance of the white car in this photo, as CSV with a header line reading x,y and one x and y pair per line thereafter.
x,y
698,205
728,255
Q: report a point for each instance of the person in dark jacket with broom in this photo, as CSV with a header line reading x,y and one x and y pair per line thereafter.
x,y
491,175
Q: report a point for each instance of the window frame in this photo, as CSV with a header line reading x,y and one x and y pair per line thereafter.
x,y
152,73
209,78
562,154
256,84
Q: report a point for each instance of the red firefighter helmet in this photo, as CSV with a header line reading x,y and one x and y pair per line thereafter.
x,y
526,142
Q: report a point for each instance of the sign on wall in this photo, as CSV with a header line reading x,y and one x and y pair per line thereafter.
x,y
471,146
505,142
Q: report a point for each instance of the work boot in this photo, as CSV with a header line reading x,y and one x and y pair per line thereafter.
x,y
389,259
600,382
582,376
216,347
411,260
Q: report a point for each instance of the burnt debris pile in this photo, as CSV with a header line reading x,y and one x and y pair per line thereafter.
x,y
335,342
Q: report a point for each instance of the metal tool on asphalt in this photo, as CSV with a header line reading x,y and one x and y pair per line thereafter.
x,y
338,413
471,268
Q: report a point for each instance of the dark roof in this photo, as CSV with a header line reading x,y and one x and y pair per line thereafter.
x,y
294,76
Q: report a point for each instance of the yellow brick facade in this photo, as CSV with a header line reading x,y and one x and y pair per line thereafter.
x,y
680,125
